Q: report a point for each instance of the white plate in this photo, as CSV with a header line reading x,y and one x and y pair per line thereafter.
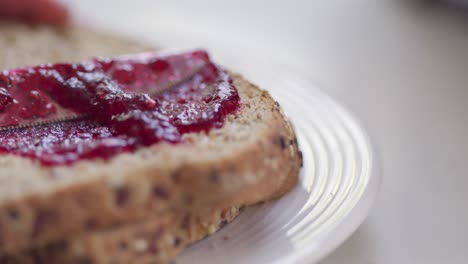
x,y
339,180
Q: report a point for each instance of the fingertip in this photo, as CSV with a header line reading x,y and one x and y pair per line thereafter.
x,y
51,12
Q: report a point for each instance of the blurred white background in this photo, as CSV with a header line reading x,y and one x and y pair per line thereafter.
x,y
400,66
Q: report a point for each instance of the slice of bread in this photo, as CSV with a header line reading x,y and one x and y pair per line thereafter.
x,y
254,157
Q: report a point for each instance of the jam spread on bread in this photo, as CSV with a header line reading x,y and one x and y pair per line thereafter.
x,y
61,113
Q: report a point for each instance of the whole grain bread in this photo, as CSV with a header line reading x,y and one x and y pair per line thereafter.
x,y
254,157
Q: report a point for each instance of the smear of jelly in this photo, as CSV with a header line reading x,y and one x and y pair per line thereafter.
x,y
128,102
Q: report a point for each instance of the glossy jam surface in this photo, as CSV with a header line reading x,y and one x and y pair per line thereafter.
x,y
111,105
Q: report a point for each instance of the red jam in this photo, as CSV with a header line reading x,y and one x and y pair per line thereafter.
x,y
123,104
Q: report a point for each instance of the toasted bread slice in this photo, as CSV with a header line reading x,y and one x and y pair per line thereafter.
x,y
254,157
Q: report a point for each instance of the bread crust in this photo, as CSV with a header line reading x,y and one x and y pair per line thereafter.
x,y
254,157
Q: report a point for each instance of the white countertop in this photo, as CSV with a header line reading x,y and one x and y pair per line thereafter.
x,y
402,69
